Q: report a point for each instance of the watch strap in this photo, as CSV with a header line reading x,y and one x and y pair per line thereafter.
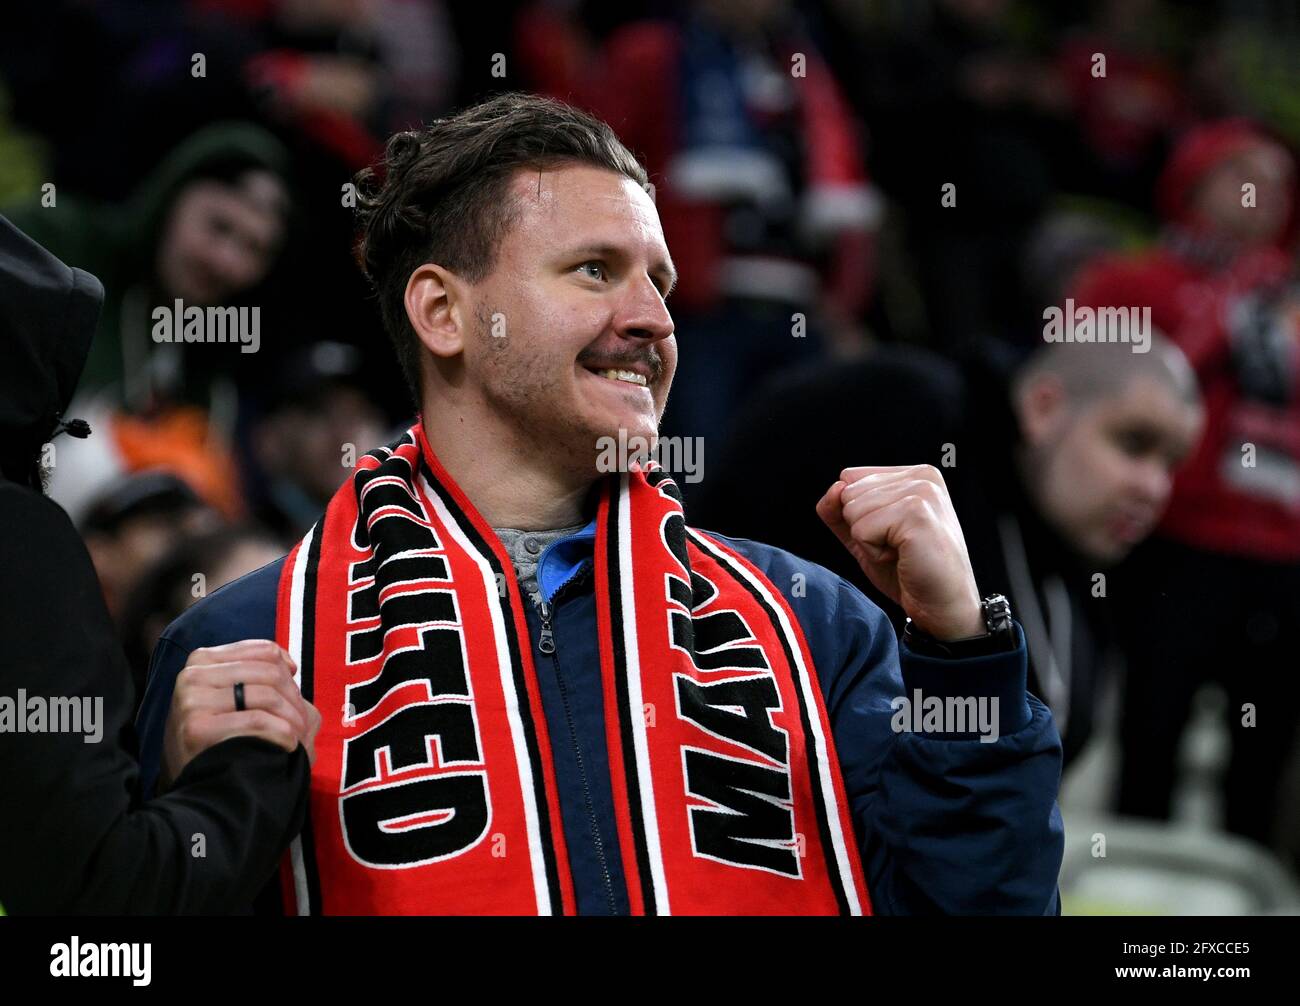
x,y
1000,636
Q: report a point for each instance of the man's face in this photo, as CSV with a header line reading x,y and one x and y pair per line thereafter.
x,y
1107,471
122,557
303,444
221,239
1219,197
573,341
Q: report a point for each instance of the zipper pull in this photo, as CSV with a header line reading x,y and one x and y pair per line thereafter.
x,y
546,642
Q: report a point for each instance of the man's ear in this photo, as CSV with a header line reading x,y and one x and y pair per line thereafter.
x,y
1041,405
436,306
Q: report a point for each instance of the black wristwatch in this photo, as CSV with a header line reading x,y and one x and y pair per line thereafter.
x,y
1000,636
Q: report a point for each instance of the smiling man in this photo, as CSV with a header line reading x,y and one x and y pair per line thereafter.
x,y
542,690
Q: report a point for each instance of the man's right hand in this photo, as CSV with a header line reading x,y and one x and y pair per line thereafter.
x,y
203,704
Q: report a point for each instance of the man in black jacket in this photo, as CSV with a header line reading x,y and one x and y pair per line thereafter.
x,y
76,838
1056,466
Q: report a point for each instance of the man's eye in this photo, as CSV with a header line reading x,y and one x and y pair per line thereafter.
x,y
1135,443
219,226
597,269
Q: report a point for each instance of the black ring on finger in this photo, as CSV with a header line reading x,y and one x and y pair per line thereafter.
x,y
239,697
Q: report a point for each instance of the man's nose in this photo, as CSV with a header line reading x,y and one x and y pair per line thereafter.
x,y
232,263
1155,481
644,315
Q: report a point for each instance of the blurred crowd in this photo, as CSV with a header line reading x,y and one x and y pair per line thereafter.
x,y
871,206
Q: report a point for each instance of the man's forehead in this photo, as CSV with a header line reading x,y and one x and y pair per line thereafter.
x,y
1152,400
1264,156
585,196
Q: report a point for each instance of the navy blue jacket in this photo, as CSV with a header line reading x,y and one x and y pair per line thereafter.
x,y
945,824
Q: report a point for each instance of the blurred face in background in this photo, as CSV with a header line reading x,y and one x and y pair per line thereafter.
x,y
220,239
243,555
1218,199
121,557
306,444
1102,471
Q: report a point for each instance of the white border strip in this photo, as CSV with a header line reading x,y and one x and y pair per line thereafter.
x,y
649,817
299,577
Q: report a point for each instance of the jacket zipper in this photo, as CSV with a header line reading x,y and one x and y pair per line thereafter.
x,y
546,644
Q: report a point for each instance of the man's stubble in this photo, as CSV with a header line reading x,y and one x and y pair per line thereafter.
x,y
523,395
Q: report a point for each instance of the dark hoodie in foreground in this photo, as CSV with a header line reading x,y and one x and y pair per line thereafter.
x,y
76,838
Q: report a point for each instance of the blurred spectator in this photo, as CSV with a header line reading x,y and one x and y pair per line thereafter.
x,y
760,186
195,566
134,524
964,117
346,72
337,73
317,425
205,227
1127,95
1211,598
1062,244
1055,472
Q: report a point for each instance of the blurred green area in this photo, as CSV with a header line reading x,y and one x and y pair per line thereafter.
x,y
23,158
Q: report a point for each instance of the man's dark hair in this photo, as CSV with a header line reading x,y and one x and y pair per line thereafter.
x,y
439,194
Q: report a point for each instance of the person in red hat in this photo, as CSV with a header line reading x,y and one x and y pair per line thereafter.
x,y
1223,572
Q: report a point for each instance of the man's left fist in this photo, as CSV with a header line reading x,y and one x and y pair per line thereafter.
x,y
900,525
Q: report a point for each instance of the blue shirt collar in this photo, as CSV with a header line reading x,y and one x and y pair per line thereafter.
x,y
561,560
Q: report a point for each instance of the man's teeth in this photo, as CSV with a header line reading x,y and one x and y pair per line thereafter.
x,y
631,376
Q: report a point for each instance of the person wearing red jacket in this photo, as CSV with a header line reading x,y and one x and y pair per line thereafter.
x,y
1224,569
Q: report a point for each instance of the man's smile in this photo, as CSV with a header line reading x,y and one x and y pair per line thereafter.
x,y
628,376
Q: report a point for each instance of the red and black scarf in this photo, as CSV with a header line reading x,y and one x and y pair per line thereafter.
x,y
433,790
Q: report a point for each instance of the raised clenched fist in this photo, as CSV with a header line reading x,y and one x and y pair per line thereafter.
x,y
900,525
